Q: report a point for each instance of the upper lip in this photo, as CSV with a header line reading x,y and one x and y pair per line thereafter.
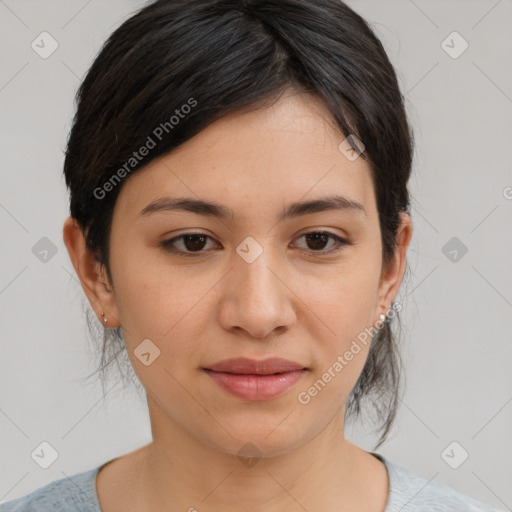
x,y
244,365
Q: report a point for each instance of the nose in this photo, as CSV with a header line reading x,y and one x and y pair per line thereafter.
x,y
257,297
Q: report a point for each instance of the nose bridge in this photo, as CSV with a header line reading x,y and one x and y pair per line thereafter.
x,y
259,300
256,266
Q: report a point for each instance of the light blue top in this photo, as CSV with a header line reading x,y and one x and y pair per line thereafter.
x,y
407,492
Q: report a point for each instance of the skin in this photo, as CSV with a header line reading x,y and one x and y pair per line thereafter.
x,y
290,302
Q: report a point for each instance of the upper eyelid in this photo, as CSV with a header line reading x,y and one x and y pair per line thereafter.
x,y
324,231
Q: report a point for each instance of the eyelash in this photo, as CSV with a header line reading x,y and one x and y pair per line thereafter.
x,y
168,245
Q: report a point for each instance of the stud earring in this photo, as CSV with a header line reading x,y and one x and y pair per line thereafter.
x,y
104,318
382,318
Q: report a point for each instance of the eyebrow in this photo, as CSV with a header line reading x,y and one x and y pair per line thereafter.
x,y
217,210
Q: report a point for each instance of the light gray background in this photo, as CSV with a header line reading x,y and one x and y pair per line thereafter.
x,y
457,314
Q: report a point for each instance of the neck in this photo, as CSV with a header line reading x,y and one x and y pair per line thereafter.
x,y
326,472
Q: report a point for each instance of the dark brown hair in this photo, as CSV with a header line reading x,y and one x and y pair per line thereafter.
x,y
221,56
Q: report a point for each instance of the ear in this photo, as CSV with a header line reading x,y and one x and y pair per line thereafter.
x,y
391,276
92,275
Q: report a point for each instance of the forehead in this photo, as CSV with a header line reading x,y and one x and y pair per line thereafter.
x,y
264,158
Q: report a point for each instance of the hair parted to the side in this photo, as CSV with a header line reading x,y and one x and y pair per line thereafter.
x,y
229,56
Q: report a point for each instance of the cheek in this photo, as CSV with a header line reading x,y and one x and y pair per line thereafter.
x,y
339,355
168,307
341,313
163,312
155,300
341,303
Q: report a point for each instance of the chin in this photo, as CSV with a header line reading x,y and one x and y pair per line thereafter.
x,y
252,440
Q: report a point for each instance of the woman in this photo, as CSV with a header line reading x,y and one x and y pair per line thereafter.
x,y
240,221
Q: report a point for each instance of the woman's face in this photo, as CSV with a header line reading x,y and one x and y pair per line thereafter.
x,y
257,285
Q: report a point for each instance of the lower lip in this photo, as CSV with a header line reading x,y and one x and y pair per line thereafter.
x,y
256,387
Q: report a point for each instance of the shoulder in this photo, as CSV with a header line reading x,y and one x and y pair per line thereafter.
x,y
76,493
410,492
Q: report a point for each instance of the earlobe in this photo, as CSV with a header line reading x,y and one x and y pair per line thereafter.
x,y
90,273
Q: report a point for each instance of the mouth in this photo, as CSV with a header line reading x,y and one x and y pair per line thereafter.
x,y
250,379
244,365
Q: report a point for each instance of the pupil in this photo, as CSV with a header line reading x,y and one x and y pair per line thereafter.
x,y
193,246
316,237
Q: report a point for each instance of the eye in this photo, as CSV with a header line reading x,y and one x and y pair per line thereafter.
x,y
194,243
318,239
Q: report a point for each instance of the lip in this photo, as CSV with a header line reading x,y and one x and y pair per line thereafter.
x,y
251,379
244,365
